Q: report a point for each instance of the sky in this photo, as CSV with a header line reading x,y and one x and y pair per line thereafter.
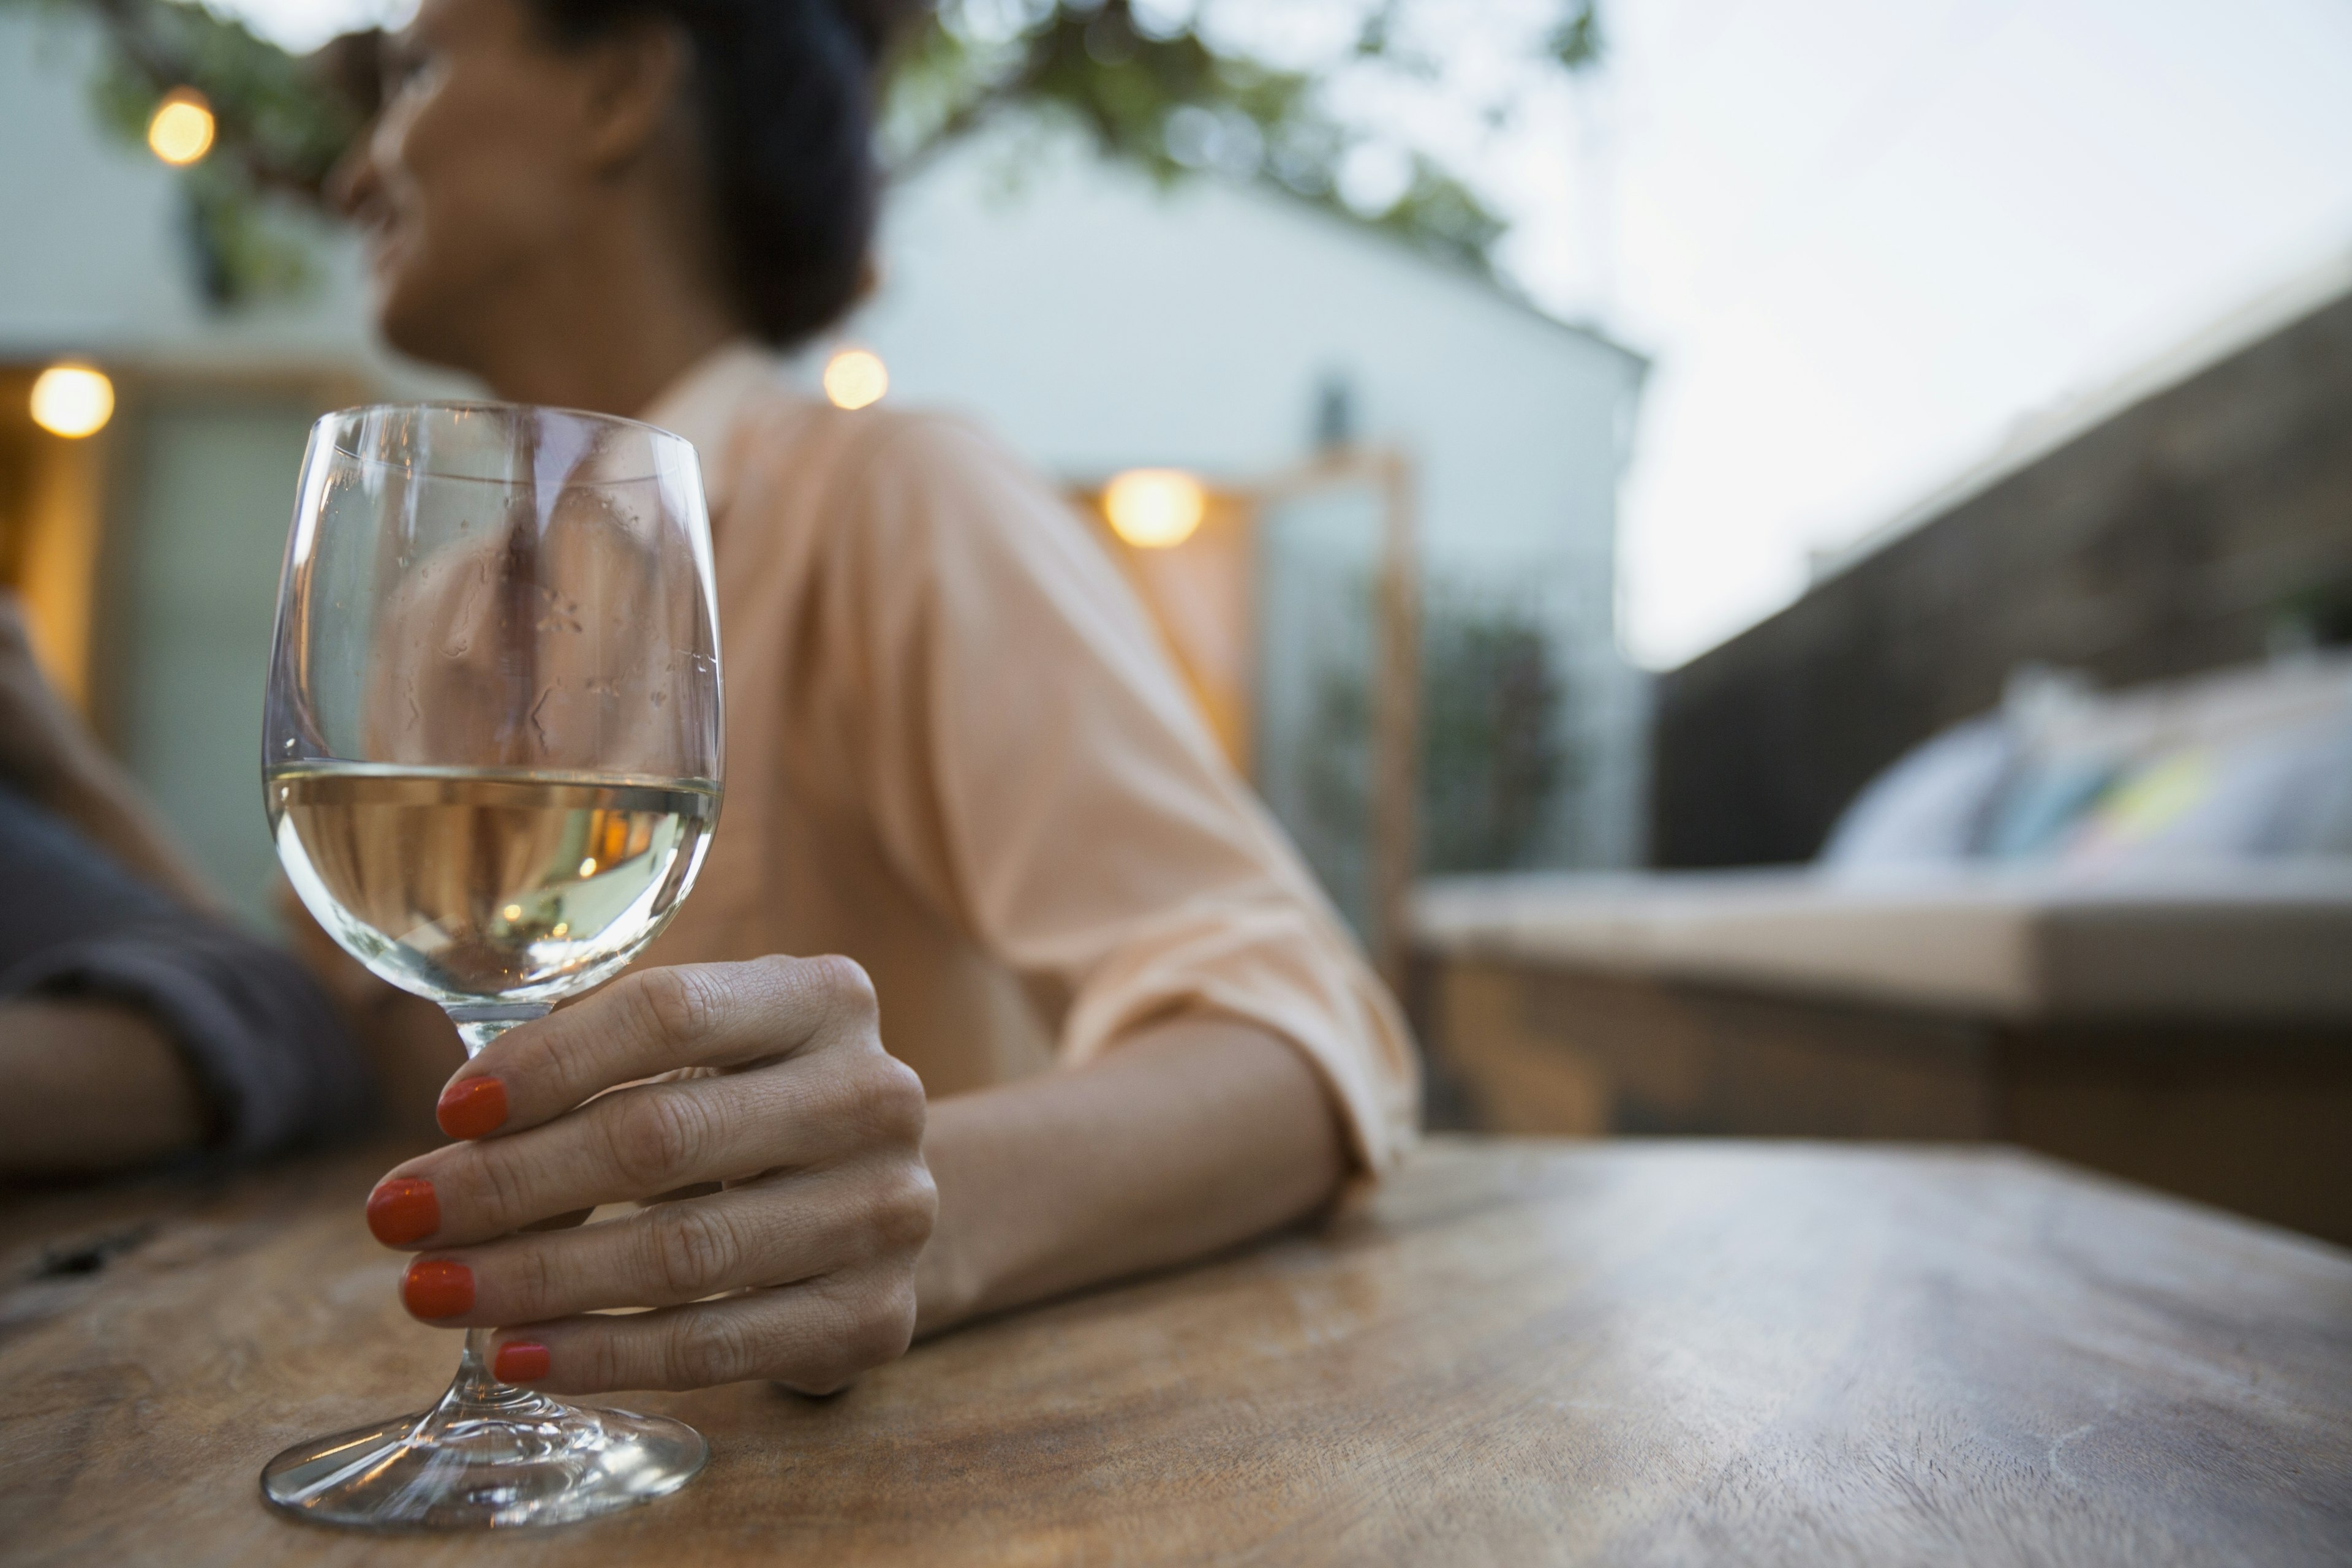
x,y
1863,243
303,25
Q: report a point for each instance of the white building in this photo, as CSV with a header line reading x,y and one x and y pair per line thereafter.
x,y
1094,319
1099,320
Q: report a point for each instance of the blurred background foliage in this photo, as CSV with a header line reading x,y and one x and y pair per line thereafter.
x,y
1164,94
1169,99
1494,754
280,124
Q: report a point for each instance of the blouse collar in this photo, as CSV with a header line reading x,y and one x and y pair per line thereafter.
x,y
703,404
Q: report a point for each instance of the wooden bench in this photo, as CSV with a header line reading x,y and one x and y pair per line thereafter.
x,y
2198,1040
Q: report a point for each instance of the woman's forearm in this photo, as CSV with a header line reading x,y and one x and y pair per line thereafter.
x,y
1198,1134
91,1086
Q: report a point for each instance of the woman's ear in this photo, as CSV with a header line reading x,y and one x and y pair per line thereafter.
x,y
632,81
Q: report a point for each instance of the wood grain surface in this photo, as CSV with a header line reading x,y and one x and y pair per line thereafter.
x,y
1520,1353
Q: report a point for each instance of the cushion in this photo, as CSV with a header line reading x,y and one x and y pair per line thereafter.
x,y
1931,806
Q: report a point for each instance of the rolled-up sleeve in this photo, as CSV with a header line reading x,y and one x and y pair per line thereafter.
x,y
259,1035
1034,764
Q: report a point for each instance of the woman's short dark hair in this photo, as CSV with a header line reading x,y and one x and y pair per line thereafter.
x,y
785,90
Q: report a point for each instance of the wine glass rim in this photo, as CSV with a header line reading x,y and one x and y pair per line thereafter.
x,y
486,404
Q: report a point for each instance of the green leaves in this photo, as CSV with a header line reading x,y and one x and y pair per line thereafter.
x,y
1494,754
276,119
1575,43
1161,95
1172,102
280,128
243,246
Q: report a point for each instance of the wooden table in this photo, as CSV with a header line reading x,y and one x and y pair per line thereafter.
x,y
1521,1353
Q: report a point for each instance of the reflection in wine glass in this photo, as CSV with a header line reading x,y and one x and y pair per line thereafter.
x,y
491,762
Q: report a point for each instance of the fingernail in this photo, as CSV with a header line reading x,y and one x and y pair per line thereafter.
x,y
472,1107
519,1361
403,1210
437,1288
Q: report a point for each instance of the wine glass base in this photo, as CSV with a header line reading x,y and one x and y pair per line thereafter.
x,y
486,1458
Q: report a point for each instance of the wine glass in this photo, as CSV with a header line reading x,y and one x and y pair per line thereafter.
x,y
492,754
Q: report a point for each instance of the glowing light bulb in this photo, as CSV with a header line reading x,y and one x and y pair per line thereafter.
x,y
854,378
1154,509
512,912
72,400
588,866
181,129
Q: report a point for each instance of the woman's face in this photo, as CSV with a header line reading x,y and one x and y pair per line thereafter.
x,y
472,178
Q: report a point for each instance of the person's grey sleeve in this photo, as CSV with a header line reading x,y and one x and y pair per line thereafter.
x,y
260,1036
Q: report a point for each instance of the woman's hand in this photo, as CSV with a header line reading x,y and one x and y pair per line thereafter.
x,y
789,1185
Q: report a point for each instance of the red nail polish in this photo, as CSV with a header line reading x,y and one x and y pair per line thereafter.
x,y
403,1210
472,1107
437,1288
519,1361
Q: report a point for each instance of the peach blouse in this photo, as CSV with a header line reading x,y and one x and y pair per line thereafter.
x,y
957,753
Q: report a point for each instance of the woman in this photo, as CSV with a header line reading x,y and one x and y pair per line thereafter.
x,y
955,755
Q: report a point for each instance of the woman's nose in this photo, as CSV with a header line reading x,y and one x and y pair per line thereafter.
x,y
351,183
351,68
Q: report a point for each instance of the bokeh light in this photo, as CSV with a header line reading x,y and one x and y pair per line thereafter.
x,y
1154,509
180,130
854,378
72,400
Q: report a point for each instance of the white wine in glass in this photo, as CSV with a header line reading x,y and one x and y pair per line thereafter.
x,y
491,762
504,886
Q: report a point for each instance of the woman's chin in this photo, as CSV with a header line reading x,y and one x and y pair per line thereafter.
x,y
416,328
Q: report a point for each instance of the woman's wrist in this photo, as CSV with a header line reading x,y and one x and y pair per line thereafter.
x,y
966,1140
1197,1132
945,1289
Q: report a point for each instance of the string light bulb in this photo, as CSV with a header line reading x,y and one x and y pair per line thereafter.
x,y
181,129
855,378
1154,509
72,401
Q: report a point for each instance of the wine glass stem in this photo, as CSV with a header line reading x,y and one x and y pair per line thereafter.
x,y
474,1364
474,1394
478,1025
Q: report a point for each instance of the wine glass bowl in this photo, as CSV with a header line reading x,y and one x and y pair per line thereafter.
x,y
492,757
476,887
